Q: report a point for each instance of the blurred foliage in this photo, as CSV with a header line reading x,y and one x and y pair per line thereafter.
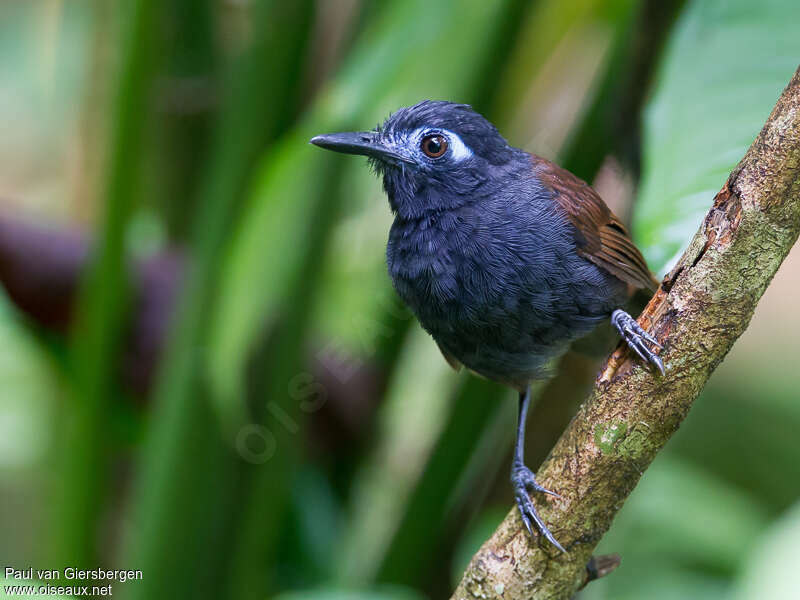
x,y
103,302
771,560
698,124
303,437
379,593
724,108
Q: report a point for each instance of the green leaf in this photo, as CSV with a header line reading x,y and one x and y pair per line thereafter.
x,y
725,66
771,569
684,513
656,580
744,429
103,301
683,533
173,502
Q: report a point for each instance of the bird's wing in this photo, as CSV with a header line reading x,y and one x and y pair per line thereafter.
x,y
601,236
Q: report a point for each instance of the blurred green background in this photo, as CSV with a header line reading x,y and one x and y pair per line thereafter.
x,y
204,371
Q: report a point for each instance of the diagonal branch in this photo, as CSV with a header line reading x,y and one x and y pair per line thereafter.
x,y
699,311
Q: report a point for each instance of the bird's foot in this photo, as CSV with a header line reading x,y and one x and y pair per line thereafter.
x,y
523,480
637,338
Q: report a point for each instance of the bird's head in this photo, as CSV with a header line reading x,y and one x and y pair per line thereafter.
x,y
433,156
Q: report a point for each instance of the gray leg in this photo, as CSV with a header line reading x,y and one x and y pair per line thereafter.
x,y
636,338
523,479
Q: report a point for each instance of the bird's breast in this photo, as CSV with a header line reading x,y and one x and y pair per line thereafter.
x,y
431,263
488,271
498,282
461,270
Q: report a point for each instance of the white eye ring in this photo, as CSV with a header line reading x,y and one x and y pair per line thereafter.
x,y
460,151
457,149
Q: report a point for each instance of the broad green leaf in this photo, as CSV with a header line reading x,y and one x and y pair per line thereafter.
x,y
771,570
725,66
656,579
683,533
744,429
685,513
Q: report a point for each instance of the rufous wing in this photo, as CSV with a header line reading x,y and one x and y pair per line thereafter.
x,y
601,236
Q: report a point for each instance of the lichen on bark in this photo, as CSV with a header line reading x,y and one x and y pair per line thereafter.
x,y
703,305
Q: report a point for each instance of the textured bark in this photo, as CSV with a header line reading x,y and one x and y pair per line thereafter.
x,y
699,311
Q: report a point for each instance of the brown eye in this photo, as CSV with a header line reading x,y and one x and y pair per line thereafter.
x,y
434,145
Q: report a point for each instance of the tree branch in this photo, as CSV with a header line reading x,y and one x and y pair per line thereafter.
x,y
699,311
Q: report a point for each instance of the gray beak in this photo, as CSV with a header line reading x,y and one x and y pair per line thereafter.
x,y
358,142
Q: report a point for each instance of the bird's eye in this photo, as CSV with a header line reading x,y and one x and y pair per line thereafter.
x,y
434,145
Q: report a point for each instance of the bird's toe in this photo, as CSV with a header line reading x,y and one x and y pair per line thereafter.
x,y
637,338
524,480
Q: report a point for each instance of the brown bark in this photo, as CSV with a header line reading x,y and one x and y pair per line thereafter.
x,y
699,311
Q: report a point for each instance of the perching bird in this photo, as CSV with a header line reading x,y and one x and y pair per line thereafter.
x,y
504,257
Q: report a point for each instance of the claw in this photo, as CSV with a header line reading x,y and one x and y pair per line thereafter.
x,y
534,485
523,480
658,363
636,337
634,345
550,493
525,520
527,512
646,335
552,539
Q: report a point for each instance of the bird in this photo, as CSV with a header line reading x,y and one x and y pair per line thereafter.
x,y
504,257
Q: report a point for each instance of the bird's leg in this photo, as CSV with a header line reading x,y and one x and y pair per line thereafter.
x,y
637,338
523,479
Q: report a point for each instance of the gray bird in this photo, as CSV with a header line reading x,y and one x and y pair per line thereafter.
x,y
504,257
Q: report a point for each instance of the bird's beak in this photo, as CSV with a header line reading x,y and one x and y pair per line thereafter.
x,y
365,143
